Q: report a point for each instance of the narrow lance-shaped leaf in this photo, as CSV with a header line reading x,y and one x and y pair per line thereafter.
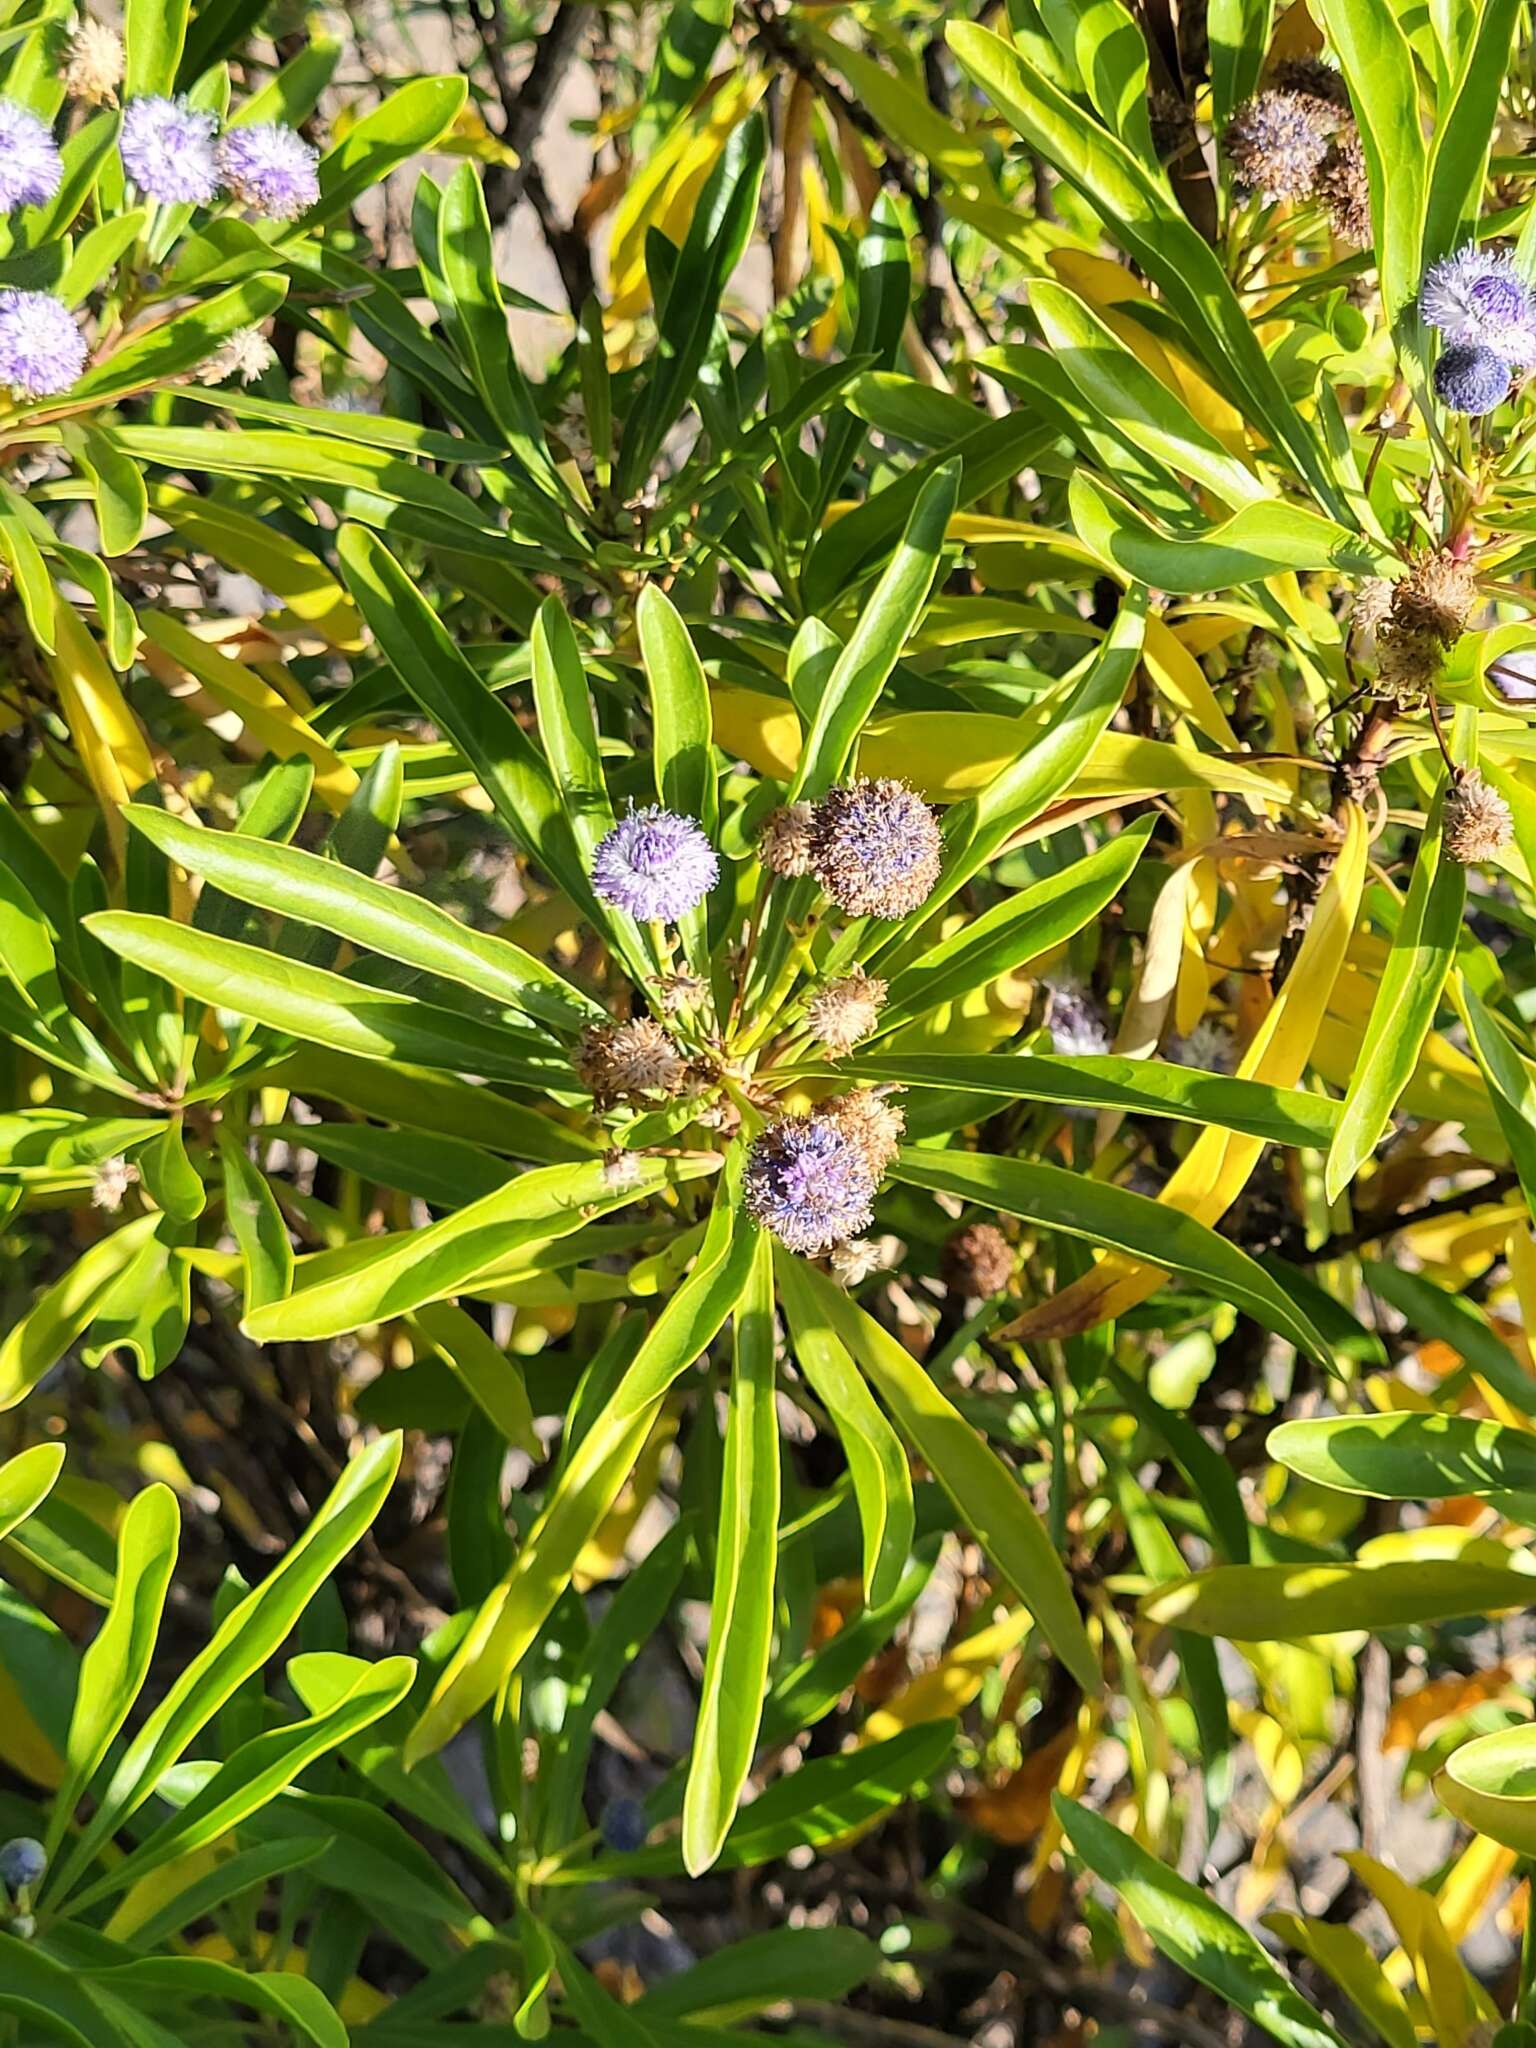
x,y
1404,1008
741,1605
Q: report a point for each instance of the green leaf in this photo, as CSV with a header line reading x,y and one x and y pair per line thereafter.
x,y
422,653
718,230
588,1484
115,1666
1432,1312
293,2000
1020,927
1117,1220
1193,1932
311,1002
1282,1116
836,1797
1378,62
684,51
877,1464
1407,1456
117,484
680,713
373,1279
354,1696
241,1645
742,1599
1239,32
987,1496
568,727
1256,542
25,1483
407,123
1490,1784
1120,388
865,664
1463,134
492,1376
387,921
749,1976
1407,997
256,1223
1280,1603
468,265
153,34
36,1343
1511,1081
628,1623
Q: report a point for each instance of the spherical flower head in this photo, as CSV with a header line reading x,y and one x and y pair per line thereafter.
x,y
784,844
31,169
23,1863
1436,596
1209,1047
1276,143
655,864
1476,820
810,1183
1075,1021
977,1262
873,1119
42,351
1407,665
168,150
846,1011
1344,186
1478,299
246,354
620,1061
114,1177
270,168
1471,379
875,848
93,63
854,1260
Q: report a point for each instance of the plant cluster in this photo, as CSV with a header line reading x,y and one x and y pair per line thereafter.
x,y
769,1146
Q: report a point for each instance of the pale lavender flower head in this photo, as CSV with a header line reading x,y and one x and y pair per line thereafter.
x,y
31,169
655,865
1209,1047
42,351
270,168
168,150
1478,298
810,1183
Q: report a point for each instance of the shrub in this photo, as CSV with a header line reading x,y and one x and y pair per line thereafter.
x,y
769,1135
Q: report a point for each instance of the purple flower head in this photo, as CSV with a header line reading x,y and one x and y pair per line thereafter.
x,y
31,170
1479,298
810,1183
654,864
23,1863
1471,379
270,168
168,150
875,848
42,351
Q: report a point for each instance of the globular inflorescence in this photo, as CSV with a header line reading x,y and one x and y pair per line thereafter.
x,y
42,351
875,848
175,154
655,864
31,169
810,1181
1485,313
1477,822
1297,140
